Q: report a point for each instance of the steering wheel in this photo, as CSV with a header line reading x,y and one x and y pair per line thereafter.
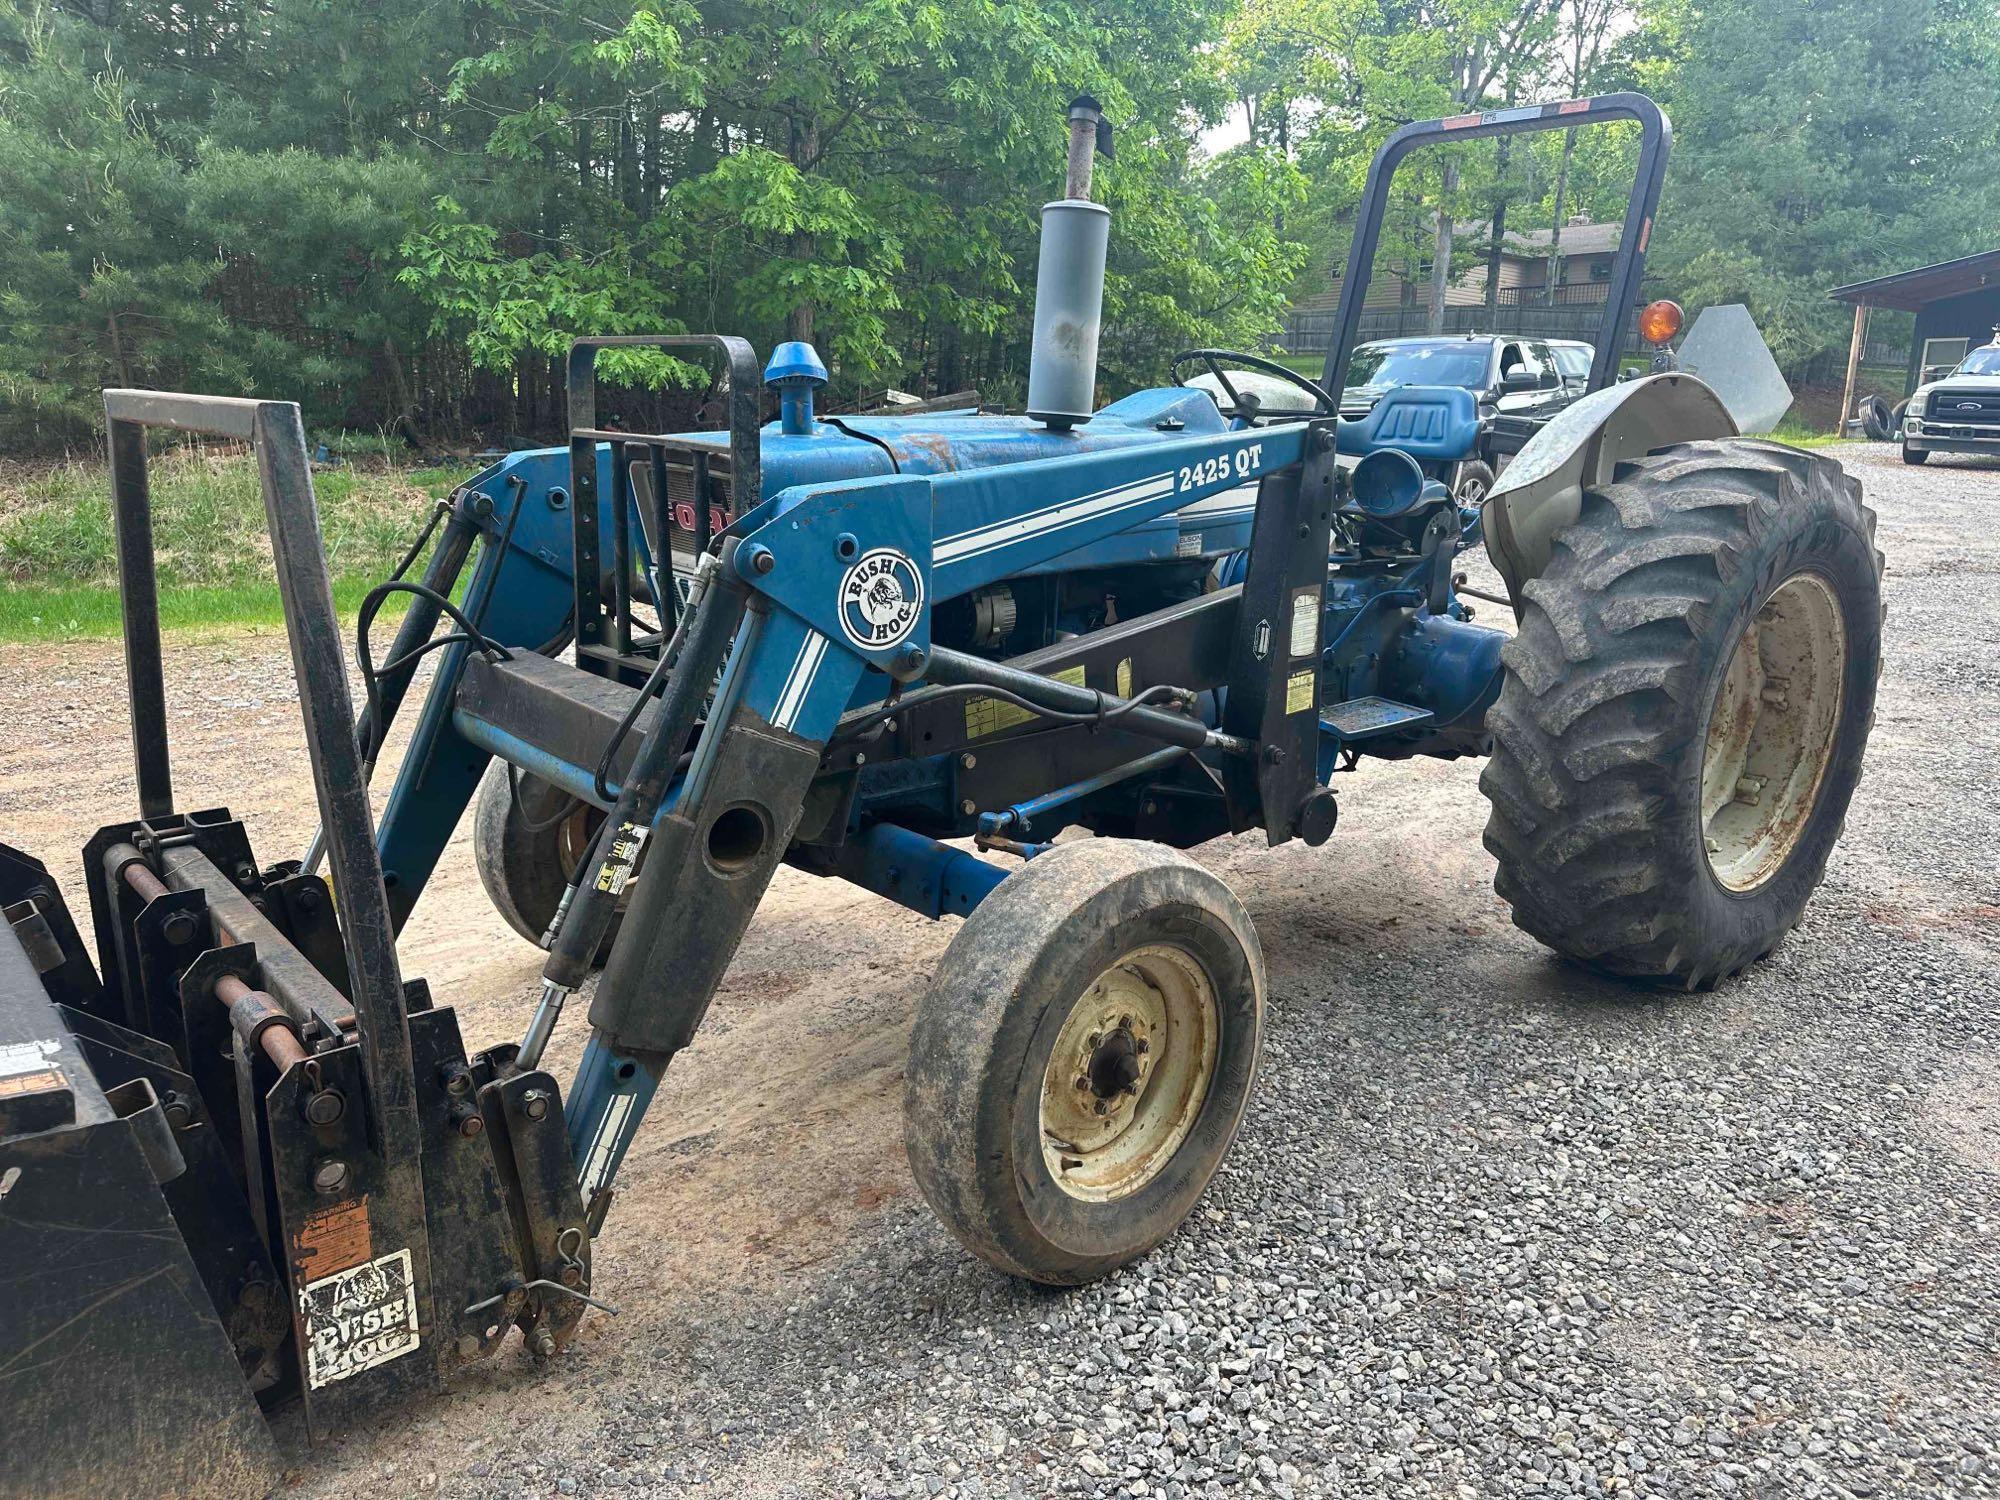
x,y
1323,404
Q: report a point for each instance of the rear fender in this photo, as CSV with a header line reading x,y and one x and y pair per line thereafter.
x,y
1541,492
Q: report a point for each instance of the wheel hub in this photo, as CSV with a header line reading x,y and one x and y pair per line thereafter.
x,y
1117,1065
1128,1073
1771,732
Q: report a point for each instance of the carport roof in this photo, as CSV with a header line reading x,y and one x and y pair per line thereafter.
x,y
1910,290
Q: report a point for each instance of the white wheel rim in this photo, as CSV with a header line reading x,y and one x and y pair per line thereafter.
x,y
1771,732
1129,1072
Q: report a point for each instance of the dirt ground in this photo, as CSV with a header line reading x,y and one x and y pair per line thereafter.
x,y
773,1157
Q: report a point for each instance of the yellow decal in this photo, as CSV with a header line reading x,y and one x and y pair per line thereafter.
x,y
1298,692
984,716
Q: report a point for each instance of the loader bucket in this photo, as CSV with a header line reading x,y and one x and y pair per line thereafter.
x,y
116,1374
245,1164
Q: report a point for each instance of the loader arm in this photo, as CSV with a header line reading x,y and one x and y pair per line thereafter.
x,y
837,584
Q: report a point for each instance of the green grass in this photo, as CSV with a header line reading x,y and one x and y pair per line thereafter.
x,y
30,612
1800,436
58,563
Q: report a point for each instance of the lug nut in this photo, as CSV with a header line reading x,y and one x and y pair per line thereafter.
x,y
1142,1046
1100,1107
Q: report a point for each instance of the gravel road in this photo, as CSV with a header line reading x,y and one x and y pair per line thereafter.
x,y
1493,1226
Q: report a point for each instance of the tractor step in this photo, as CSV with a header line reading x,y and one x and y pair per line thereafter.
x,y
1364,718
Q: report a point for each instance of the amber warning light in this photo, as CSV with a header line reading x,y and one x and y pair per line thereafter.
x,y
1659,321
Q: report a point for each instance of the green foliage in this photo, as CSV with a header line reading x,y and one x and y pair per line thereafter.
x,y
1865,152
208,516
102,284
400,213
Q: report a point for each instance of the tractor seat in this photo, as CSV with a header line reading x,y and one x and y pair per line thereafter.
x,y
1439,422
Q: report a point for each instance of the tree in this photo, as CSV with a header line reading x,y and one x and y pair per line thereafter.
x,y
402,212
1863,153
104,286
1585,30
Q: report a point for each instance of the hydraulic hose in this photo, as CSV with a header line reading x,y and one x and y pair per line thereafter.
x,y
591,902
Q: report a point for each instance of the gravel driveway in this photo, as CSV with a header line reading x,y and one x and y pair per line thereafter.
x,y
1493,1226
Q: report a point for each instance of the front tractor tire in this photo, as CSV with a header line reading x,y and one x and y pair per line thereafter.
x,y
1684,711
527,837
1083,1058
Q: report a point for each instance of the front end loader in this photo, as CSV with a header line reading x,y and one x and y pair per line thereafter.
x,y
246,1163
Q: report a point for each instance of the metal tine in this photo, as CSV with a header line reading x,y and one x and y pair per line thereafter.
x,y
667,597
621,549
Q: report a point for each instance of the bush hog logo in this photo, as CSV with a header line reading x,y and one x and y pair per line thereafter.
x,y
359,1318
881,600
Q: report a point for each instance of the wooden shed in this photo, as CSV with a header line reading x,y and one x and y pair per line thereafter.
x,y
1956,302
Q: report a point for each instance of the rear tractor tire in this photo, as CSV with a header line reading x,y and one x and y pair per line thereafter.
x,y
1684,711
527,837
1083,1058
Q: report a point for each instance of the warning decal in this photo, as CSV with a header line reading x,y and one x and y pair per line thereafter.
x,y
616,871
359,1318
1298,692
989,715
332,1239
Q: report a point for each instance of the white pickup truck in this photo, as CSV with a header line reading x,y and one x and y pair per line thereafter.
x,y
1958,414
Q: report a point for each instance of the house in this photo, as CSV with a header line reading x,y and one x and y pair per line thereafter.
x,y
1398,303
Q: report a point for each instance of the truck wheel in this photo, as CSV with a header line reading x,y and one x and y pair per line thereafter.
x,y
1471,481
1684,710
1915,455
1082,1060
526,839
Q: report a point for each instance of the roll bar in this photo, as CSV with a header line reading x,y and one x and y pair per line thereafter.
x,y
1655,141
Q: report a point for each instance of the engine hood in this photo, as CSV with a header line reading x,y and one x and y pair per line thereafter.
x,y
842,447
1956,385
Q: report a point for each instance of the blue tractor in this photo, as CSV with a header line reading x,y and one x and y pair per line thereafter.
x,y
853,645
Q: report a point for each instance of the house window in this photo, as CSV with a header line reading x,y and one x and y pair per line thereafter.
x,y
1600,271
1424,269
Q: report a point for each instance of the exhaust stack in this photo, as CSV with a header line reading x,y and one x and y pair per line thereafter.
x,y
1069,282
